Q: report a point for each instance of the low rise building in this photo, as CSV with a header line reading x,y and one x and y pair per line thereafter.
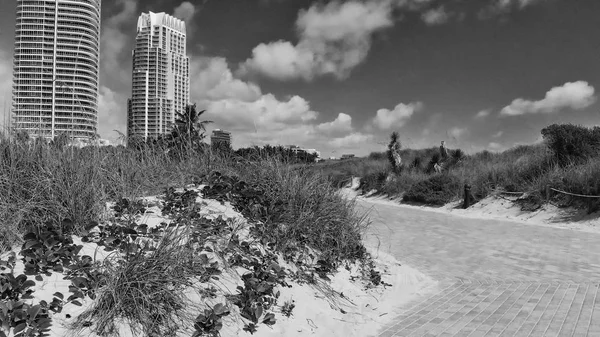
x,y
220,138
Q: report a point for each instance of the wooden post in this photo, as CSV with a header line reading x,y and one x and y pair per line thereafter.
x,y
467,196
548,192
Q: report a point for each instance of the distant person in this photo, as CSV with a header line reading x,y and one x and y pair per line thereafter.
x,y
443,151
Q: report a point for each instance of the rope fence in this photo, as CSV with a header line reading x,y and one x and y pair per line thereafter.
x,y
568,193
469,199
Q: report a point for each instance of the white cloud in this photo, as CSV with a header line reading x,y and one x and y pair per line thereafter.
x,y
115,41
112,113
493,146
342,124
498,134
572,95
266,113
334,38
112,103
436,16
351,140
212,79
185,11
482,114
456,132
396,118
498,7
240,106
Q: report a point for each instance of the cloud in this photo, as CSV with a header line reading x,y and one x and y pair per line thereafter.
x,y
334,38
436,16
258,118
185,11
111,113
498,134
482,114
240,106
499,7
212,79
342,124
115,41
456,132
351,140
572,95
493,146
112,103
266,113
396,118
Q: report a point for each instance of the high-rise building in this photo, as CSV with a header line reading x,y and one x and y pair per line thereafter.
x,y
55,68
161,80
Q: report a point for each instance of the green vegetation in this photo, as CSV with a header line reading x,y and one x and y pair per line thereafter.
x,y
49,192
568,159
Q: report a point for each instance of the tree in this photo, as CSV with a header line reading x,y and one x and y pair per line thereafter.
x,y
393,152
188,128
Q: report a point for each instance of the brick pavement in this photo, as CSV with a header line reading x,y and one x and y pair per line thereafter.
x,y
496,278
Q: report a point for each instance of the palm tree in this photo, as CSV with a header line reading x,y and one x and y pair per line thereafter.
x,y
188,126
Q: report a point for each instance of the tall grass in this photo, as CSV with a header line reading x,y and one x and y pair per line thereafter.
x,y
311,213
520,169
40,183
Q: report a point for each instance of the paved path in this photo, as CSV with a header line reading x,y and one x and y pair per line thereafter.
x,y
497,278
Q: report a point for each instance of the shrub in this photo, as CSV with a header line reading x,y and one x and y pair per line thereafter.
x,y
458,155
437,190
417,164
377,156
373,181
572,143
287,203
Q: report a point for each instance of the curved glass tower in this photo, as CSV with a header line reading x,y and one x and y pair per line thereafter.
x,y
56,67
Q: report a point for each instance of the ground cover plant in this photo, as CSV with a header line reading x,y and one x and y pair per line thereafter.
x,y
146,270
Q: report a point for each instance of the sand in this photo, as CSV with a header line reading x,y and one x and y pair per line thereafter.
x,y
360,312
499,208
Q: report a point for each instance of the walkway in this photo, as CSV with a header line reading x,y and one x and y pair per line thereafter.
x,y
496,278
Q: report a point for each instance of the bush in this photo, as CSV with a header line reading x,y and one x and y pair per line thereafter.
x,y
373,181
378,156
572,143
437,190
417,164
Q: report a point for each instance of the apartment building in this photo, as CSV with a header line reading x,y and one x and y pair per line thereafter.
x,y
161,81
220,138
56,67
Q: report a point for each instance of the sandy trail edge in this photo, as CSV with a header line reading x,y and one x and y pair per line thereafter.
x,y
496,208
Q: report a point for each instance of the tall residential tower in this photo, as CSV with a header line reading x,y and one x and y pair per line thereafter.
x,y
161,80
55,68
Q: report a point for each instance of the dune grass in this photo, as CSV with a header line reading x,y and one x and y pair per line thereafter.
x,y
41,183
525,168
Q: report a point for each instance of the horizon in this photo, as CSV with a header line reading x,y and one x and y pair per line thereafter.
x,y
340,76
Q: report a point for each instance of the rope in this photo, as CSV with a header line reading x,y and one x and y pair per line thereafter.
x,y
575,194
555,190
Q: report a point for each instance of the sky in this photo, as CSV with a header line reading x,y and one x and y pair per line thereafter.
x,y
340,76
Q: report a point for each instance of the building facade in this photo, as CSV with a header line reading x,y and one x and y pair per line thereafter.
x,y
220,138
56,68
161,80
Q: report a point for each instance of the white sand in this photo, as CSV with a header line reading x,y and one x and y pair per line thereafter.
x,y
366,310
501,208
